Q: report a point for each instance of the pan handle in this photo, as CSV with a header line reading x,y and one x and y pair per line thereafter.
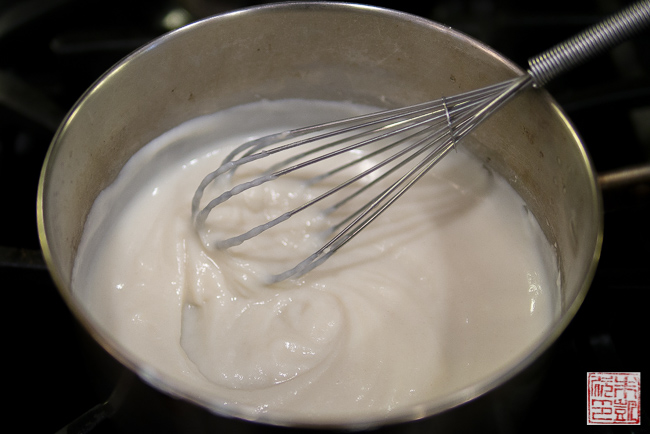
x,y
625,177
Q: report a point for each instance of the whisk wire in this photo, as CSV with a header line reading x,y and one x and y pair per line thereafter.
x,y
434,127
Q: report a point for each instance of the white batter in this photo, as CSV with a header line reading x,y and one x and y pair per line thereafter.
x,y
449,286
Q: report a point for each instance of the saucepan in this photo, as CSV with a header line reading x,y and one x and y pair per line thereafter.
x,y
326,51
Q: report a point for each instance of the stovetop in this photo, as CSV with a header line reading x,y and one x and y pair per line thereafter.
x,y
52,50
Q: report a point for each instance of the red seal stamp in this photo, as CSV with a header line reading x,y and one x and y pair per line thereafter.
x,y
613,398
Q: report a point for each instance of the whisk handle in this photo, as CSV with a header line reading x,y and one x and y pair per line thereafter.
x,y
589,43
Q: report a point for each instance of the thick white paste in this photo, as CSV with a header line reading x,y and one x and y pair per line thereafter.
x,y
449,286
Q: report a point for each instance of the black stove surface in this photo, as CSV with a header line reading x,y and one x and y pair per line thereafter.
x,y
52,50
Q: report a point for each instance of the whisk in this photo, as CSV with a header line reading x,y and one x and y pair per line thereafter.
x,y
403,144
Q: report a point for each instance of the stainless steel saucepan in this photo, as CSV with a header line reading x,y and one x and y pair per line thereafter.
x,y
334,52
